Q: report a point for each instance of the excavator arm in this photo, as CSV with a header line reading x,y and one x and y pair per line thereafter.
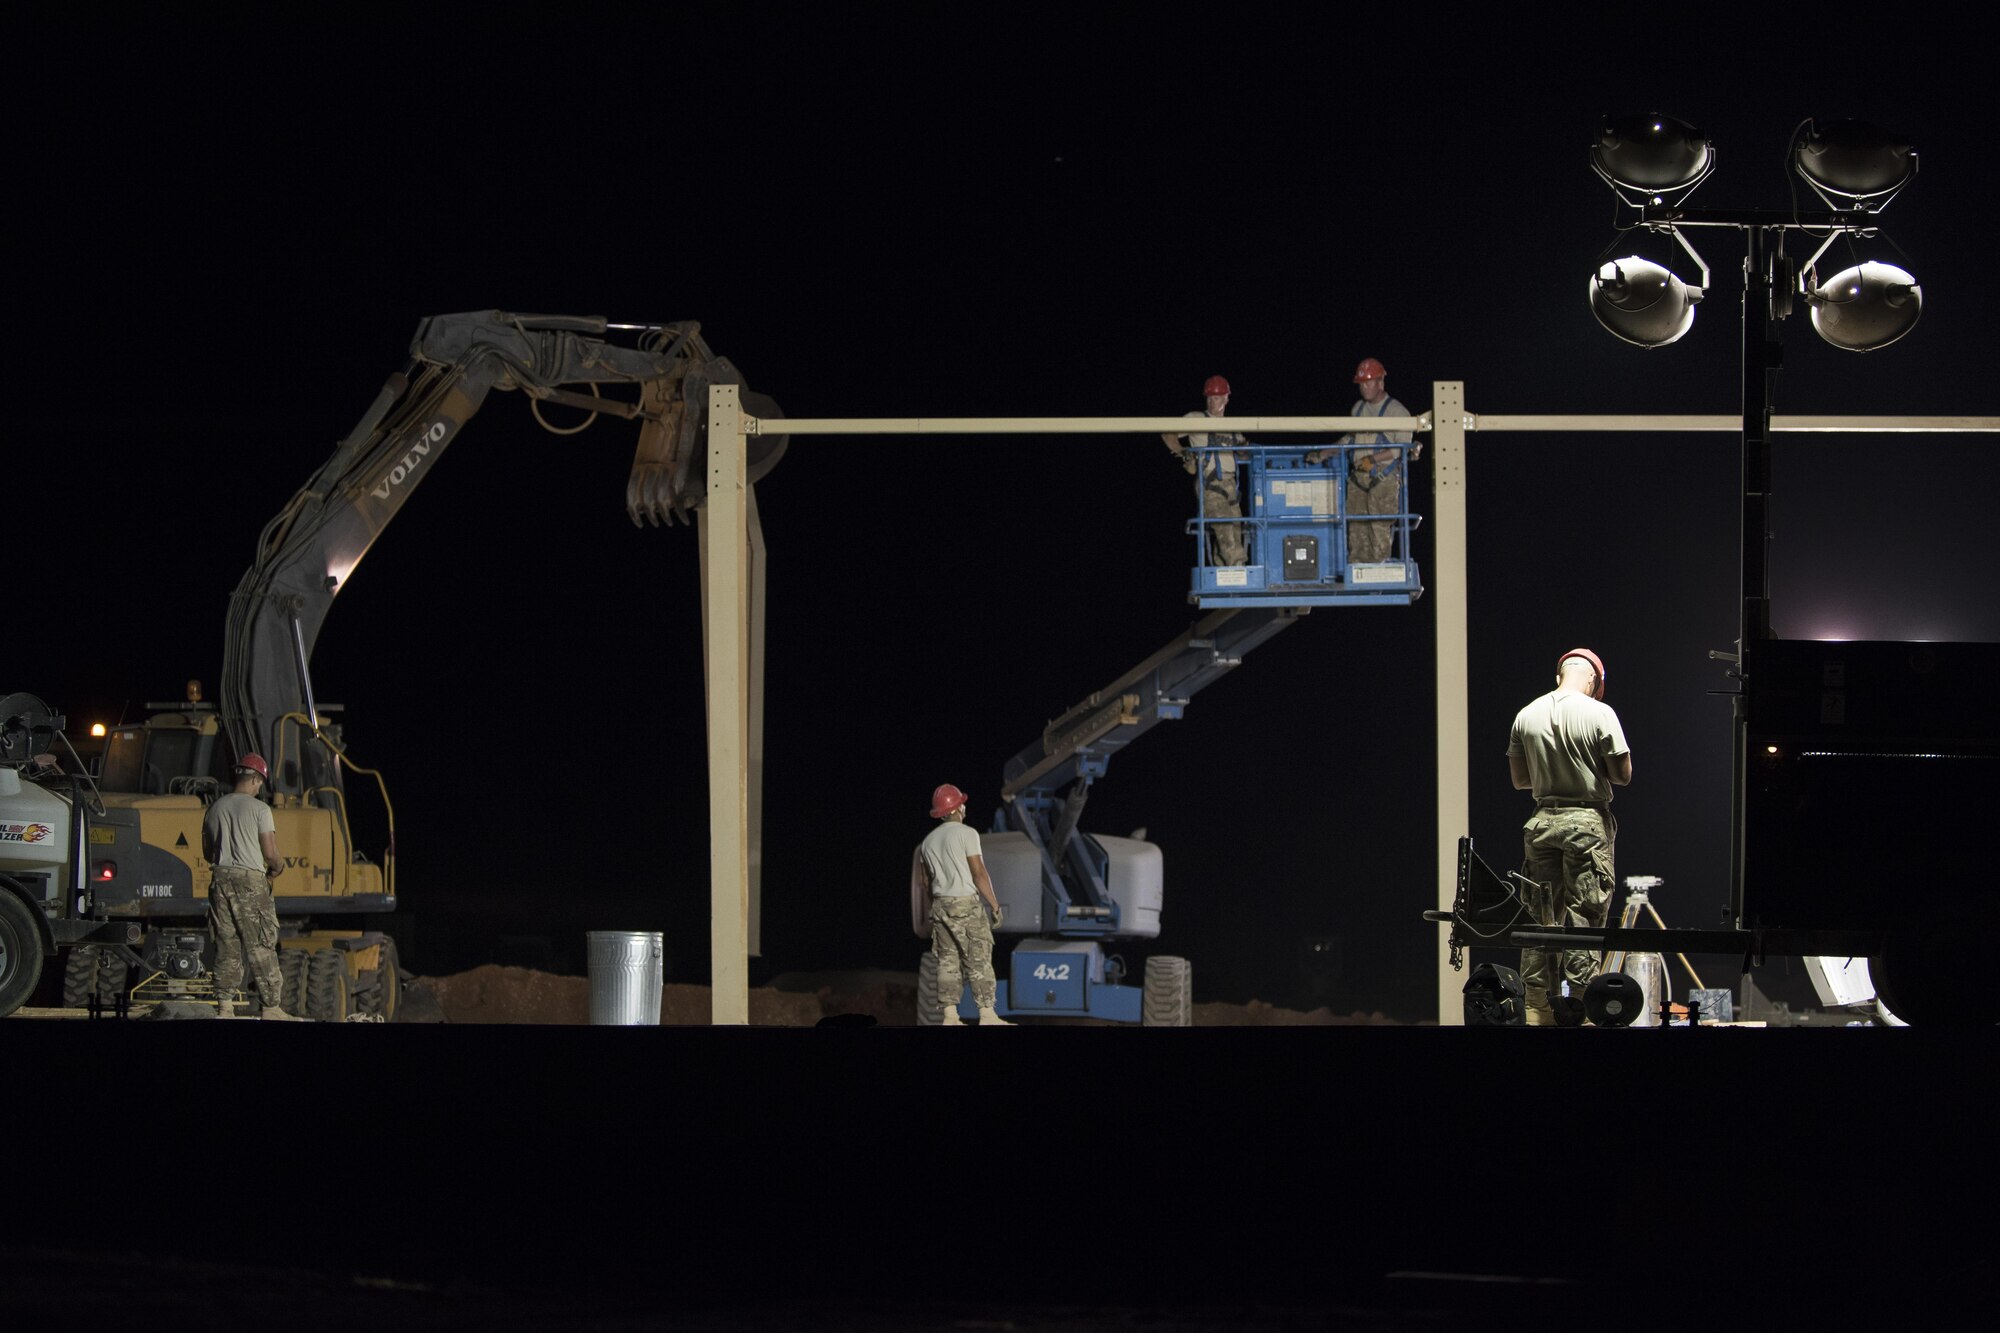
x,y
310,549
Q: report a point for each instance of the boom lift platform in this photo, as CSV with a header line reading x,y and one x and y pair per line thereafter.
x,y
1295,530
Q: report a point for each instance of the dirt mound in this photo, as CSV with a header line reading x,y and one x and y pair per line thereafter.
x,y
495,994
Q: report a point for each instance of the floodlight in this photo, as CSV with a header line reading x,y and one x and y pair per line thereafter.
x,y
1642,302
1864,165
1650,155
1866,307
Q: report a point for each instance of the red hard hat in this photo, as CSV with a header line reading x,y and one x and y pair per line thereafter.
x,y
1369,369
945,800
1214,384
1595,662
254,763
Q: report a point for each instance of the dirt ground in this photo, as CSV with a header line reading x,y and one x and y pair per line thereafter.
x,y
496,994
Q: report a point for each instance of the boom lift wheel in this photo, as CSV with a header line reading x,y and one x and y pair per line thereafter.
x,y
20,953
1168,998
326,987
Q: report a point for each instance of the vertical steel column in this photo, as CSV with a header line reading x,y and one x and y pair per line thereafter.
x,y
1762,357
1448,595
725,621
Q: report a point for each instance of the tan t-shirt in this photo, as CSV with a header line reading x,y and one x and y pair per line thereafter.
x,y
229,832
1566,738
944,851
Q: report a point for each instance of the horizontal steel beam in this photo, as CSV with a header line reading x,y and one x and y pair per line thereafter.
x,y
1732,424
1175,425
1487,421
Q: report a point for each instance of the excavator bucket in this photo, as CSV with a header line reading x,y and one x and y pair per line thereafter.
x,y
669,472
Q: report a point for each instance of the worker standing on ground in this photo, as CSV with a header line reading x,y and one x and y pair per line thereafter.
x,y
1568,749
955,872
240,839
1219,499
1374,481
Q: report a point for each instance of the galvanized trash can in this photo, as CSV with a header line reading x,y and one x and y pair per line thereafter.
x,y
1650,971
625,973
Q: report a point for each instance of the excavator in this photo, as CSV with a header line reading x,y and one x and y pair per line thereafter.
x,y
102,856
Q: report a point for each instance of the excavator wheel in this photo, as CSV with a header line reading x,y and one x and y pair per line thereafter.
x,y
1168,998
292,980
80,976
327,996
386,995
113,974
928,1008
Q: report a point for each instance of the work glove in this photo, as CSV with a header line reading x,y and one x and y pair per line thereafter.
x,y
998,916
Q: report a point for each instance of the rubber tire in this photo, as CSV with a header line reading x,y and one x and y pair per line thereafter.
x,y
1167,1001
928,1007
113,973
292,980
79,975
327,996
1924,977
385,996
20,953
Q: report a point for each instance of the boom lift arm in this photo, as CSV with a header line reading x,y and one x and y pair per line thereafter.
x,y
1076,748
309,550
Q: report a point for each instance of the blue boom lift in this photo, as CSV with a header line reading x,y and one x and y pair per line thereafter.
x,y
1070,892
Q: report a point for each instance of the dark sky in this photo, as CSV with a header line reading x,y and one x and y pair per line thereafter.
x,y
226,233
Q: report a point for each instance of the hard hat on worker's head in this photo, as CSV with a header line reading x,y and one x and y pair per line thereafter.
x,y
1596,664
945,800
1214,385
1369,369
254,763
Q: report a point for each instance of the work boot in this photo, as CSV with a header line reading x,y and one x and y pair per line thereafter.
x,y
989,1018
272,1011
225,1008
951,1018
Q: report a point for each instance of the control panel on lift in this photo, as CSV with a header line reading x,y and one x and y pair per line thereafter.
x,y
1296,535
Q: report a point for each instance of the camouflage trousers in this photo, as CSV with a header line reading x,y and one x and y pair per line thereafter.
x,y
962,939
1568,851
244,923
1225,540
1369,542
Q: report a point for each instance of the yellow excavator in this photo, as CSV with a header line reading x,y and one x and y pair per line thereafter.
x,y
105,859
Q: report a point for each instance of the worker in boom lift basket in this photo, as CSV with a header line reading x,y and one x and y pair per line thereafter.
x,y
1374,481
954,870
1219,497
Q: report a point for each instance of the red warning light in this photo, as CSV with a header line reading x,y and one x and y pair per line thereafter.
x,y
107,870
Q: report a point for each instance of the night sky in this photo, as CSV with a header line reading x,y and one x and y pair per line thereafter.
x,y
226,235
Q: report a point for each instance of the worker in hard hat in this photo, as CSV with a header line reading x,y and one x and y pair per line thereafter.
x,y
240,839
1568,749
1219,499
1374,475
952,867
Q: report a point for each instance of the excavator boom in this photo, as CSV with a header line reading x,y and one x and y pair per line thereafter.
x,y
308,552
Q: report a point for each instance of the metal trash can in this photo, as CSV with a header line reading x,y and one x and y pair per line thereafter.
x,y
625,974
1650,971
